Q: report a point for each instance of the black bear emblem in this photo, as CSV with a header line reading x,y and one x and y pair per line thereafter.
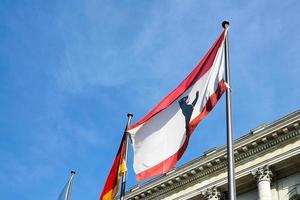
x,y
187,109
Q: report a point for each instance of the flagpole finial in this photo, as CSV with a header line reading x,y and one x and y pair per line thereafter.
x,y
225,24
129,117
73,172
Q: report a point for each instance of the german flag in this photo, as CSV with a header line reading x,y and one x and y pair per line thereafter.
x,y
112,183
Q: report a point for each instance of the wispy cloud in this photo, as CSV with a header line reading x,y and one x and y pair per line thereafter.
x,y
78,67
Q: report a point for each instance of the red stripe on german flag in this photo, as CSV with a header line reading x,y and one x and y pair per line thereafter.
x,y
112,183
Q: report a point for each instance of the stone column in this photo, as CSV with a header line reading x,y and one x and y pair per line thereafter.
x,y
263,176
212,194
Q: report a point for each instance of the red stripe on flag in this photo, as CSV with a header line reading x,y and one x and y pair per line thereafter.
x,y
112,181
204,65
169,163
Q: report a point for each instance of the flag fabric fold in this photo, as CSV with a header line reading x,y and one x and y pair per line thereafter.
x,y
161,137
112,183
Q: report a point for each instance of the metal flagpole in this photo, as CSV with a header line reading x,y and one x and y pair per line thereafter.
x,y
230,159
70,184
124,176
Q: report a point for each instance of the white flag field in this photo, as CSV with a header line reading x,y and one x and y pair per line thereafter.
x,y
161,137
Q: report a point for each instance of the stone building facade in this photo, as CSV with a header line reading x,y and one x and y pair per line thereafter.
x,y
267,167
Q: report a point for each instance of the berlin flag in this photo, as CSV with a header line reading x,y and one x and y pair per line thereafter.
x,y
161,137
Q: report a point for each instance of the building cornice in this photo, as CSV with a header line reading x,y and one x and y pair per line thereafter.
x,y
258,141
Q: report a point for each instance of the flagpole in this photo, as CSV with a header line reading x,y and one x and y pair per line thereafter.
x,y
124,176
230,168
70,184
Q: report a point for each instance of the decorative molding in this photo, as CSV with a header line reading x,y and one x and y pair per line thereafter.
x,y
240,174
211,194
263,174
190,173
189,178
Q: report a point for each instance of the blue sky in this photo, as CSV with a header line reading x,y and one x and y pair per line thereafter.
x,y
71,70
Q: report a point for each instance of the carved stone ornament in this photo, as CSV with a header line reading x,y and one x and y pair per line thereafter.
x,y
212,194
263,174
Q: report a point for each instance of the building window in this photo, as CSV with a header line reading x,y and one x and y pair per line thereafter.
x,y
294,192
